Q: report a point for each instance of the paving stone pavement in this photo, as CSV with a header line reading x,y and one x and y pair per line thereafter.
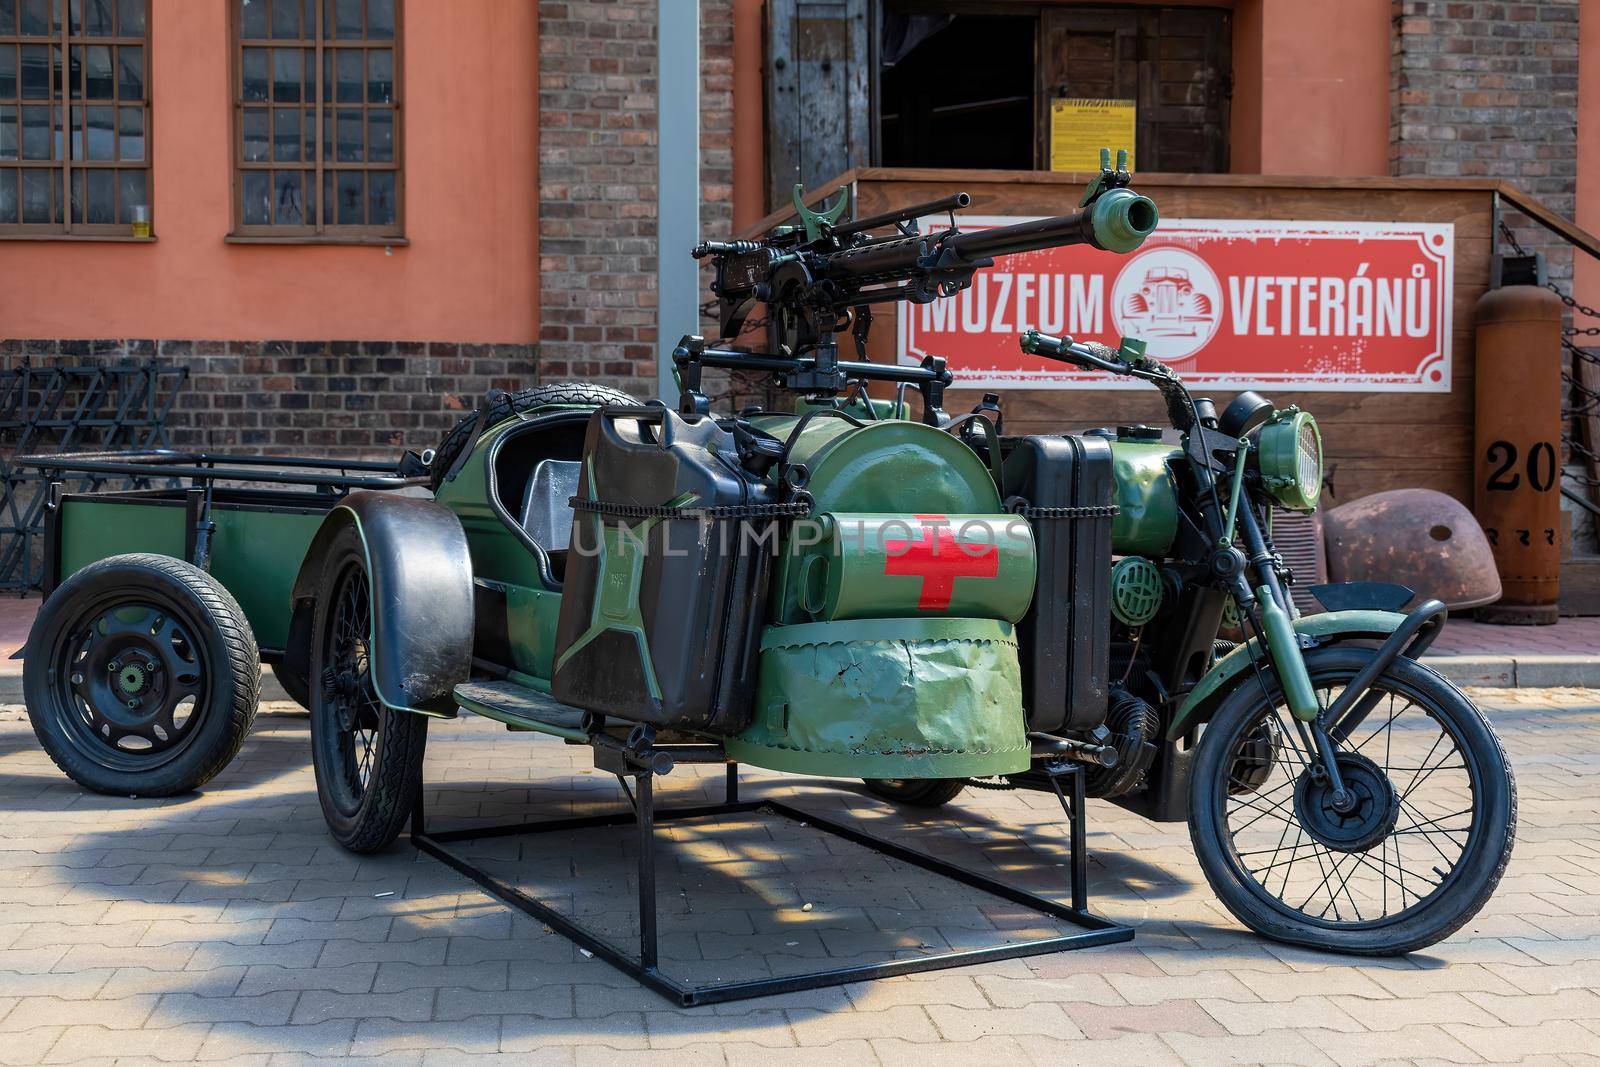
x,y
226,927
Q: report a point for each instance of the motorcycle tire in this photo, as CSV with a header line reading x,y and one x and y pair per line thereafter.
x,y
1430,901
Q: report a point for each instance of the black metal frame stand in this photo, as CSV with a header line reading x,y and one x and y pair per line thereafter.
x,y
644,966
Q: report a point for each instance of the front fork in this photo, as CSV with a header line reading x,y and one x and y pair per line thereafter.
x,y
1331,725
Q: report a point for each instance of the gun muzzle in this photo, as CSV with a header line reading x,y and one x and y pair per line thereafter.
x,y
1122,219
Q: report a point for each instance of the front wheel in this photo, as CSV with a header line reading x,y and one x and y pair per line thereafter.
x,y
367,757
1411,860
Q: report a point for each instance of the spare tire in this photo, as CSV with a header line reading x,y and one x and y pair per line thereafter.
x,y
503,405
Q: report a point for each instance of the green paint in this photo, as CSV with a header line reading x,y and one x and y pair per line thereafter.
x,y
1136,590
1326,627
497,553
869,566
1286,658
1293,484
888,698
255,553
1147,500
1122,219
882,408
531,615
623,549
1236,493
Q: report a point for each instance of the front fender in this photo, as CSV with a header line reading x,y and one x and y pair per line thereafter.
x,y
422,613
1326,628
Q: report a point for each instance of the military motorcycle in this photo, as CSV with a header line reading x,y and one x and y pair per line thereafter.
x,y
839,589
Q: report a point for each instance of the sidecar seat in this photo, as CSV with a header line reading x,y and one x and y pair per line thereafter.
x,y
546,516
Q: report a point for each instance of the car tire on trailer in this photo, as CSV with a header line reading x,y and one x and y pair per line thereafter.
x,y
367,756
142,676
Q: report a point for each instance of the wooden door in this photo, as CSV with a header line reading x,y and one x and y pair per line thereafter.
x,y
818,112
1175,62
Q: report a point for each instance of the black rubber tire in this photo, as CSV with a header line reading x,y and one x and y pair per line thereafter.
x,y
1476,873
917,792
371,821
228,663
507,404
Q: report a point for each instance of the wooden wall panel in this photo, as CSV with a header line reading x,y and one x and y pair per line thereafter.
x,y
1374,441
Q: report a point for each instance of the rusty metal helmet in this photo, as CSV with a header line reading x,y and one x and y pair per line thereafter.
x,y
1423,539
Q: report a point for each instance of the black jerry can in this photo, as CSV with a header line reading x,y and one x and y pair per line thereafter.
x,y
1068,488
662,606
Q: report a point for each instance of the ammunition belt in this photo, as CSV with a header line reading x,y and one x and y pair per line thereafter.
x,y
613,510
1087,511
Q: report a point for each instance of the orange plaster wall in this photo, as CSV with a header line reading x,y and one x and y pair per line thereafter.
x,y
470,273
1311,87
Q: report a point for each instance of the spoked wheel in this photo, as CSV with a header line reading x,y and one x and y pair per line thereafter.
x,y
1411,853
141,676
368,759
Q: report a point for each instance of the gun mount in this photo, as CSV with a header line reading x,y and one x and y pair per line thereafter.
x,y
822,278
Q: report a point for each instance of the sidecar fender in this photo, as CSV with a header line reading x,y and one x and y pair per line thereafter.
x,y
1327,628
422,611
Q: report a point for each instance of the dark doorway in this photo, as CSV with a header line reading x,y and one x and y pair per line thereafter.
x,y
956,90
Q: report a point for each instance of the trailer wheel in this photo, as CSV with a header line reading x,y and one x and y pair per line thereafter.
x,y
142,676
368,757
918,793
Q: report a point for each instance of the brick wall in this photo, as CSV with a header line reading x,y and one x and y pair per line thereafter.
x,y
1489,89
597,182
352,399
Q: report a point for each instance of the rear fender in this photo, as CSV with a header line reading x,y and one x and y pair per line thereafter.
x,y
1326,628
421,574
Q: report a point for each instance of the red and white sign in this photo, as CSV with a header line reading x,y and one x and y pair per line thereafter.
x,y
1351,306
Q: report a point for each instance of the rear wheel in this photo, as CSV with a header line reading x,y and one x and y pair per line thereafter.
x,y
1411,858
142,676
367,757
917,792
570,394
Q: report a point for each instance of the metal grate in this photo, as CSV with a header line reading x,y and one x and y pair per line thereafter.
x,y
1298,539
73,408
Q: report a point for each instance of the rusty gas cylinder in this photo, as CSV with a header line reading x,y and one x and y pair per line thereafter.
x,y
1517,438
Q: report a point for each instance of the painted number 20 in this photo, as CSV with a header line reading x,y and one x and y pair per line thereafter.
x,y
1541,466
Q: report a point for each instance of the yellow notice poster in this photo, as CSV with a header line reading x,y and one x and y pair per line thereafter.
x,y
1080,128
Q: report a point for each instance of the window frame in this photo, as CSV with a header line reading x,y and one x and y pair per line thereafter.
x,y
317,232
59,98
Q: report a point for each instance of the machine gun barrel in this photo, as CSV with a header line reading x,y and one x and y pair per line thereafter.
x,y
1116,221
953,202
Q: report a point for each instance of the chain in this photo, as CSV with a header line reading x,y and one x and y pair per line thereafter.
x,y
1087,511
613,510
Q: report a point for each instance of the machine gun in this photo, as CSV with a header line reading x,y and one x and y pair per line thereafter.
x,y
822,278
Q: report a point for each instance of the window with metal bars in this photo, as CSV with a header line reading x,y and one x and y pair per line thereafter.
x,y
74,116
316,119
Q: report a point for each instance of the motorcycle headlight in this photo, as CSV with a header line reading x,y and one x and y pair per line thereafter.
x,y
1291,459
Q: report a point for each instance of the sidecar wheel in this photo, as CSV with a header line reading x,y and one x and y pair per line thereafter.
x,y
141,677
917,792
1410,863
367,757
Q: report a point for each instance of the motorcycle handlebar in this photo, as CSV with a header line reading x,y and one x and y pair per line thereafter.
x,y
1089,355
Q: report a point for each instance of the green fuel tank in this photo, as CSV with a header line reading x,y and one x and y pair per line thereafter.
x,y
1147,500
868,669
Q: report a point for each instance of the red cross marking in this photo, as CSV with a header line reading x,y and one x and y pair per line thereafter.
x,y
939,559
